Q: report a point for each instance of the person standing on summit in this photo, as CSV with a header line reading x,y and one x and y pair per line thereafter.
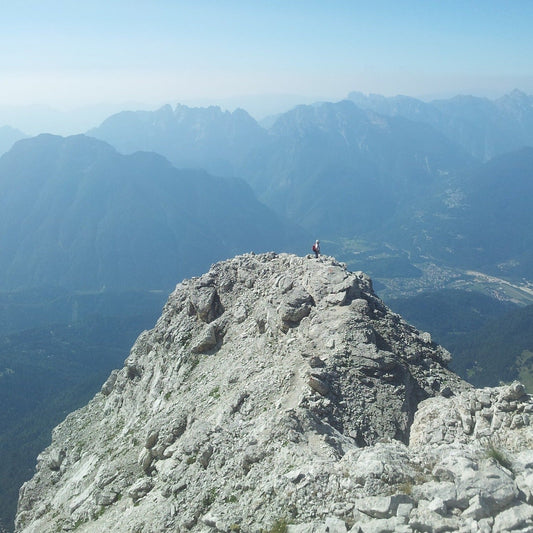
x,y
316,248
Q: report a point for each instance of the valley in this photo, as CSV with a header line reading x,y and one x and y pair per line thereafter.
x,y
96,233
174,354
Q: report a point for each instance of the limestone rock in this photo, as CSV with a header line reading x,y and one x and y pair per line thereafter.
x,y
140,489
516,518
279,392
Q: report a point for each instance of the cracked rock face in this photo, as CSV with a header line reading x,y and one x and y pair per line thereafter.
x,y
279,389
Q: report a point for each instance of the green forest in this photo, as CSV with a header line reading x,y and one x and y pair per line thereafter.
x,y
490,341
48,371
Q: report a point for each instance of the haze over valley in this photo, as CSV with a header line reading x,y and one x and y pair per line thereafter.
x,y
186,135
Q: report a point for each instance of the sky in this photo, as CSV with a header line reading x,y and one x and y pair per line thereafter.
x,y
71,53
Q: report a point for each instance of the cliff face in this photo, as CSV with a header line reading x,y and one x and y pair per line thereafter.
x,y
277,389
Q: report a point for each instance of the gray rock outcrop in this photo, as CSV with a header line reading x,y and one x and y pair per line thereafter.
x,y
278,393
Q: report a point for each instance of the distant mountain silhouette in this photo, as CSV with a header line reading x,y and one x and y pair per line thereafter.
x,y
8,137
485,128
206,138
395,171
77,214
344,171
333,168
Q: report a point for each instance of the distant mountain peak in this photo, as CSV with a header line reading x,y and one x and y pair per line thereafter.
x,y
8,137
517,93
484,127
189,137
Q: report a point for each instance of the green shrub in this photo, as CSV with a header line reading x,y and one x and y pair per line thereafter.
x,y
499,456
279,526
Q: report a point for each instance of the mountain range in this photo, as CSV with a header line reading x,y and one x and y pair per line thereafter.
x,y
208,138
95,226
344,171
485,128
77,214
382,172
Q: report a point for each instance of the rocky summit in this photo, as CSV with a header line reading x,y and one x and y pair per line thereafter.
x,y
278,393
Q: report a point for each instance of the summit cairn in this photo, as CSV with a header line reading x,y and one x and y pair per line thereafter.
x,y
279,393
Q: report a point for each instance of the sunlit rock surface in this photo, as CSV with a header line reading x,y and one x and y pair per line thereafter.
x,y
279,393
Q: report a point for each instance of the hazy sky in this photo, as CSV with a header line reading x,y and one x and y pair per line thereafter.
x,y
68,53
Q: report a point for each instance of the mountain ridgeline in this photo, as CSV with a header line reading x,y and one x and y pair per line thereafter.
x,y
385,174
206,138
485,128
8,137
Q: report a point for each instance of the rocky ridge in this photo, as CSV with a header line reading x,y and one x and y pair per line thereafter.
x,y
279,393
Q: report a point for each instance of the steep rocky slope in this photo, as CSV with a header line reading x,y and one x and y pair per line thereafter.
x,y
280,390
